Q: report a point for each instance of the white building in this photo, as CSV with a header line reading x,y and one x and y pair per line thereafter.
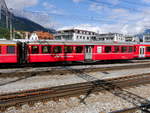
x,y
111,37
146,38
75,35
129,38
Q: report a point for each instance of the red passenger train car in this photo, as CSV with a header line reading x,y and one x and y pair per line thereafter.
x,y
60,51
142,50
8,51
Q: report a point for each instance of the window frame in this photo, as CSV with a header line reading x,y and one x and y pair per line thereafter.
x,y
130,50
122,50
37,48
0,49
58,51
110,47
78,47
118,51
49,49
147,49
69,50
9,51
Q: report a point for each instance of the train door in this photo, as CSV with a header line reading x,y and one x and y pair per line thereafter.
x,y
142,51
88,52
22,52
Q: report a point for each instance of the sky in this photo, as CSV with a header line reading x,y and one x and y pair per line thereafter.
x,y
102,16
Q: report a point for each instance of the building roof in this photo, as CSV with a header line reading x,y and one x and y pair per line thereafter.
x,y
72,29
44,35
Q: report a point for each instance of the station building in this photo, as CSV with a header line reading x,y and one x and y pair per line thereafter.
x,y
130,38
75,35
111,37
146,38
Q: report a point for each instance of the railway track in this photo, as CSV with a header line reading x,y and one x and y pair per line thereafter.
x,y
66,70
144,108
54,93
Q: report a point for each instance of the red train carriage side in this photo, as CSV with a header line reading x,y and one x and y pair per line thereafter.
x,y
54,52
142,50
58,51
8,52
113,52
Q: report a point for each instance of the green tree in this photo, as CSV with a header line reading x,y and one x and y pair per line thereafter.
x,y
4,33
17,36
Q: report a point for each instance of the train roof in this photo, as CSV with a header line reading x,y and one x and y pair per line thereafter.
x,y
56,42
8,42
59,42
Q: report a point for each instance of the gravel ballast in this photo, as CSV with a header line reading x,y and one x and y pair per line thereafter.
x,y
95,103
42,81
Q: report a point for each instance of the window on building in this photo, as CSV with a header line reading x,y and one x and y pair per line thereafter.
x,y
46,49
88,38
80,37
148,49
35,49
116,49
108,49
68,49
123,49
77,37
58,37
83,37
57,49
79,49
130,49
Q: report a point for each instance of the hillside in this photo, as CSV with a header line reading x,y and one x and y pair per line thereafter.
x,y
24,24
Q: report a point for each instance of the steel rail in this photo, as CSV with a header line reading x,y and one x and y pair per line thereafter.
x,y
66,70
23,97
133,109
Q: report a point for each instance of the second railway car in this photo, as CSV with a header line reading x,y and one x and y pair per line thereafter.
x,y
57,51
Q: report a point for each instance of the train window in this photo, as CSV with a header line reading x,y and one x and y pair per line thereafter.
x,y
135,49
57,49
116,49
79,49
99,49
123,49
35,49
68,49
10,49
130,49
46,49
148,49
107,49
